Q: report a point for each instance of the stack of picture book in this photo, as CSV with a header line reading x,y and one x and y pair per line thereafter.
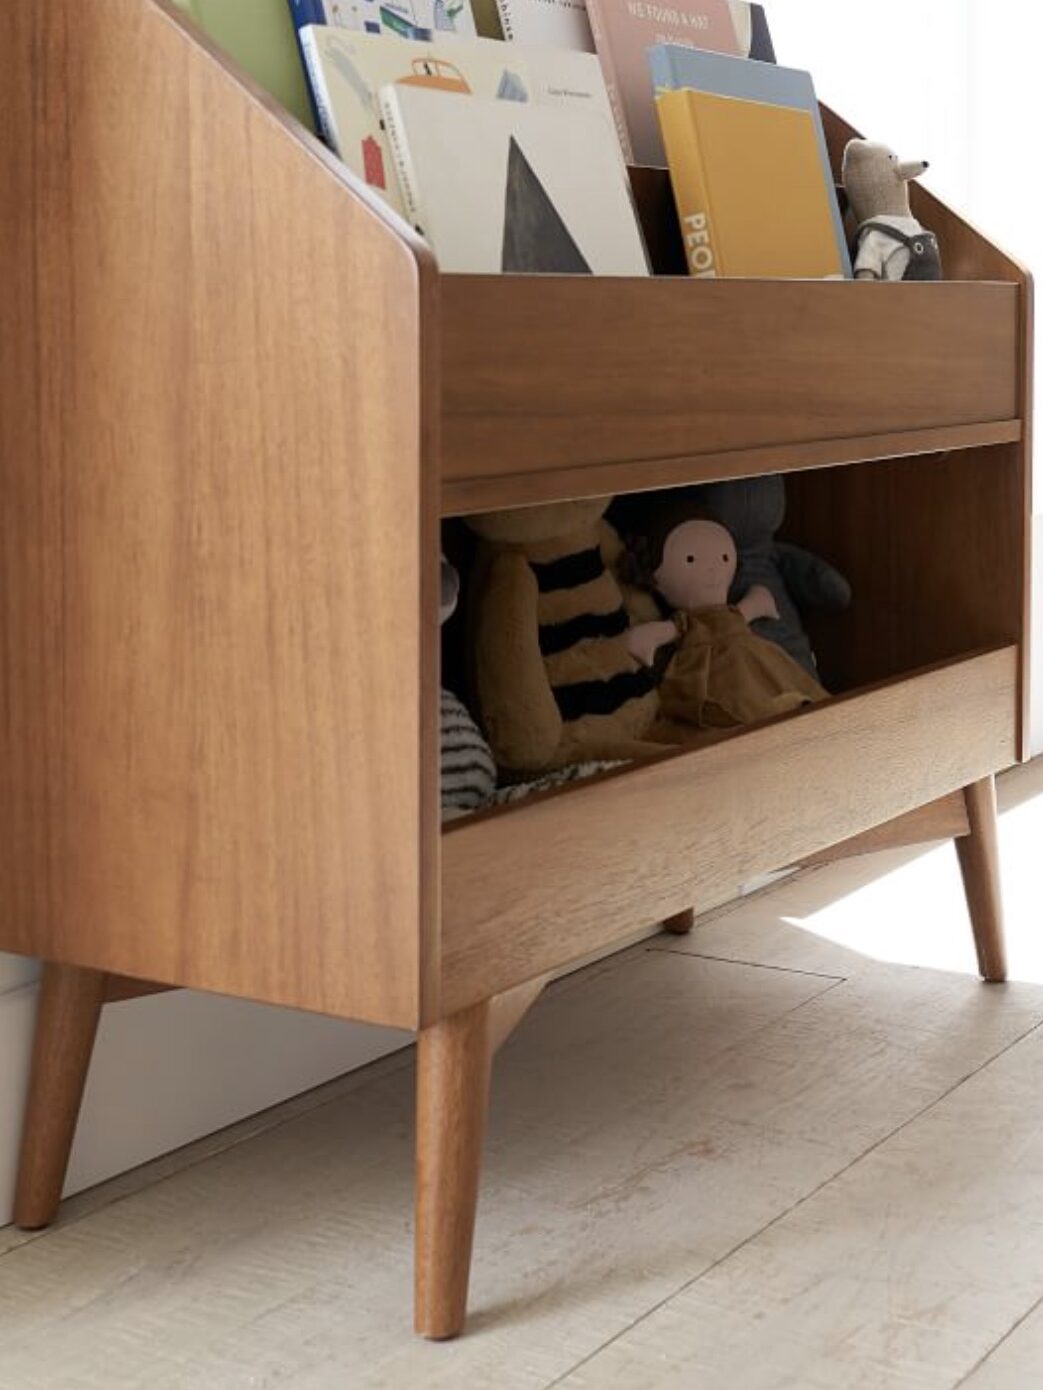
x,y
502,129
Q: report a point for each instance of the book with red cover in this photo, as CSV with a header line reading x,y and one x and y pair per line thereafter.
x,y
624,30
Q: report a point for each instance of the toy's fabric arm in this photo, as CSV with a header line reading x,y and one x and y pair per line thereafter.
x,y
871,256
758,603
812,581
522,721
645,640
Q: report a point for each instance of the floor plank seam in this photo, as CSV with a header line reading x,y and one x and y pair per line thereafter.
x,y
769,1023
751,964
802,1201
1015,1325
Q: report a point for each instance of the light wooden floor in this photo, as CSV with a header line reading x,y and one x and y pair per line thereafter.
x,y
763,1156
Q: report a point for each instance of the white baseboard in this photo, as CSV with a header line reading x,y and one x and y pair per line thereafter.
x,y
171,1068
16,971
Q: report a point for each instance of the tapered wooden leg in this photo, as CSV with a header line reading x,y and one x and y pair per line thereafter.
x,y
453,1065
980,865
682,924
66,1024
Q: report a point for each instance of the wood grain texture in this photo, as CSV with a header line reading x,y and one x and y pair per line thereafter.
x,y
121,988
979,856
481,494
581,868
935,552
453,1065
566,372
1027,390
218,759
969,255
67,1014
945,819
506,1011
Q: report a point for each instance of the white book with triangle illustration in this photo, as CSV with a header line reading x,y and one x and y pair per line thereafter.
x,y
513,187
347,70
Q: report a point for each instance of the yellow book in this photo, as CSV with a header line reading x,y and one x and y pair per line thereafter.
x,y
748,183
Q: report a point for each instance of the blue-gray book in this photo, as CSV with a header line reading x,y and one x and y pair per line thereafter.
x,y
675,68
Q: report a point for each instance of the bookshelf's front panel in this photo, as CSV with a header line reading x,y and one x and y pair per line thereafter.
x,y
217,752
585,868
548,379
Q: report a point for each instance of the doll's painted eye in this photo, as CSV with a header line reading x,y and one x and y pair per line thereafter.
x,y
726,558
691,559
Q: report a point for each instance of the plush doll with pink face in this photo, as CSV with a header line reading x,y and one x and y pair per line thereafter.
x,y
698,566
722,673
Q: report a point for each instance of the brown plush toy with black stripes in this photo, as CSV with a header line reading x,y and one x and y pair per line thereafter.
x,y
552,679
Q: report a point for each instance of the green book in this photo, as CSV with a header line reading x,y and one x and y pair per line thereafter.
x,y
261,37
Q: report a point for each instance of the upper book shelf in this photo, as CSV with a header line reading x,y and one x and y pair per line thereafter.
x,y
530,388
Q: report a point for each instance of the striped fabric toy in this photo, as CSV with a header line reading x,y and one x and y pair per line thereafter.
x,y
554,681
468,771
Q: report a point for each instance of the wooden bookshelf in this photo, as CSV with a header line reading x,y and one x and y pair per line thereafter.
x,y
237,399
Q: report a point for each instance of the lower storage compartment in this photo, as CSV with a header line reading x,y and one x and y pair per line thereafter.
x,y
528,888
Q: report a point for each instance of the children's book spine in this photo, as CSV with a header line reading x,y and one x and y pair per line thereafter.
x,y
303,13
506,19
405,174
320,94
307,12
662,68
603,47
679,125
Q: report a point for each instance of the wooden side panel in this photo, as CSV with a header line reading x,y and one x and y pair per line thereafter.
x,y
531,888
567,372
969,255
217,758
1025,462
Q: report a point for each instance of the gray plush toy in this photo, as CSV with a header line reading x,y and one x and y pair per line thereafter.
x,y
753,510
892,245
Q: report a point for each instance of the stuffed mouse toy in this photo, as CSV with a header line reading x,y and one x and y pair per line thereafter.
x,y
891,243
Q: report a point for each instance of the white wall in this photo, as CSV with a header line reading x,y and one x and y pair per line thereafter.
x,y
909,88
170,1069
956,82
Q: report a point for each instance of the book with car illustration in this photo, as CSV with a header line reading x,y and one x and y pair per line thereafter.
x,y
347,70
